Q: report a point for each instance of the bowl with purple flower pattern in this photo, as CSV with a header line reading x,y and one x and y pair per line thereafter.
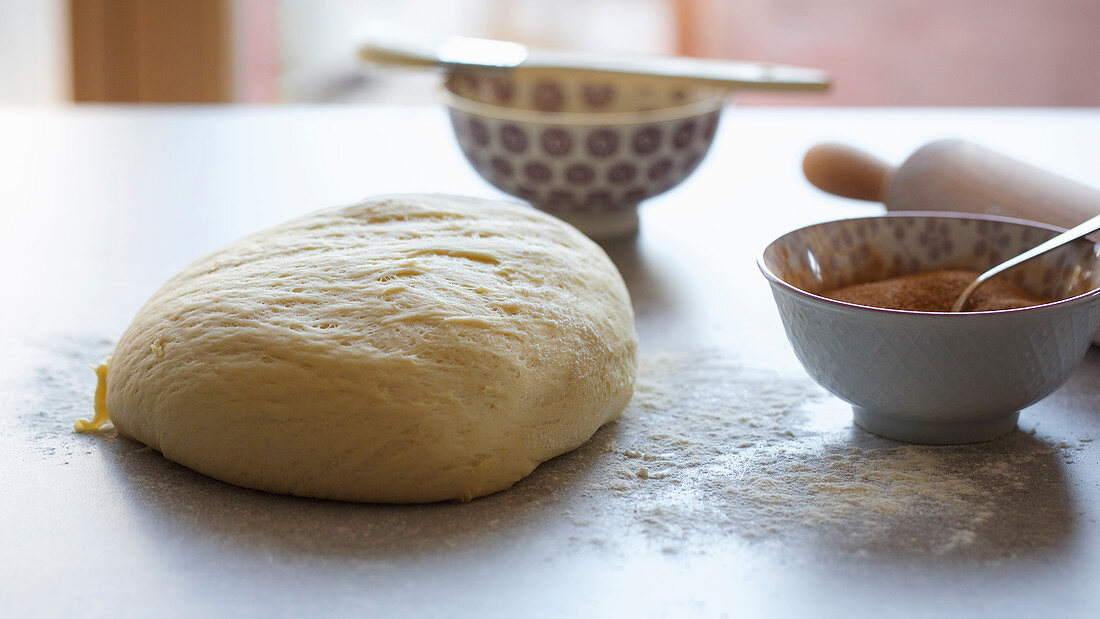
x,y
924,376
587,149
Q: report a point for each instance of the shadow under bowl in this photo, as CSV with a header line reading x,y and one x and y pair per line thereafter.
x,y
585,149
933,377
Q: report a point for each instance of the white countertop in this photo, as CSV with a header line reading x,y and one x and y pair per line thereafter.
x,y
732,485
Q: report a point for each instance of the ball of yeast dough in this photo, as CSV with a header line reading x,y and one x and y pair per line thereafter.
x,y
411,348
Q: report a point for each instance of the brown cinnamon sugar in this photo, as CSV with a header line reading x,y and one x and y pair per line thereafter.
x,y
936,291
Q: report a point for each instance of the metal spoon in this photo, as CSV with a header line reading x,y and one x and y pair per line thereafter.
x,y
410,49
1074,233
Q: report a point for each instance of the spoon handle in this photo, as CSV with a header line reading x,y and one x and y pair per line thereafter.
x,y
484,54
1074,233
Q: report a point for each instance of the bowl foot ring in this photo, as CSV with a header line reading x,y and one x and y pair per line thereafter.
x,y
934,432
616,224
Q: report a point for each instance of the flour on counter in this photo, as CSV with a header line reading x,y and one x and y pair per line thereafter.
x,y
63,379
710,453
711,448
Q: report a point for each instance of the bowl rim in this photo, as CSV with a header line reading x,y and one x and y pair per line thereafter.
x,y
458,102
778,281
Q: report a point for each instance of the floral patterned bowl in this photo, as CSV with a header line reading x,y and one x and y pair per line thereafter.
x,y
932,377
585,149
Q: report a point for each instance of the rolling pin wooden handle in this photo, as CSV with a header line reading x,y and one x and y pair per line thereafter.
x,y
847,172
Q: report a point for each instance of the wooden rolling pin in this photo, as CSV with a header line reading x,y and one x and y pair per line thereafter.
x,y
953,175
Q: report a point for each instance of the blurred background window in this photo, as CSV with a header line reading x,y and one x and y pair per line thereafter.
x,y
33,52
901,52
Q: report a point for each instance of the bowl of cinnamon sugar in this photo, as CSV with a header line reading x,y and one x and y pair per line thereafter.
x,y
865,303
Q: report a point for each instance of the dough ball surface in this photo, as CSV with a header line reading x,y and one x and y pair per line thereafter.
x,y
412,348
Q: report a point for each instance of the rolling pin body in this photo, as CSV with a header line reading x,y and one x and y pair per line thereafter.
x,y
953,175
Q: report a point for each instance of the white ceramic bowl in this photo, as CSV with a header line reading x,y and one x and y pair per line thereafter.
x,y
585,149
929,377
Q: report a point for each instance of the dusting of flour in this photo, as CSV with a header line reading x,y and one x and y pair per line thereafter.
x,y
710,448
709,453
